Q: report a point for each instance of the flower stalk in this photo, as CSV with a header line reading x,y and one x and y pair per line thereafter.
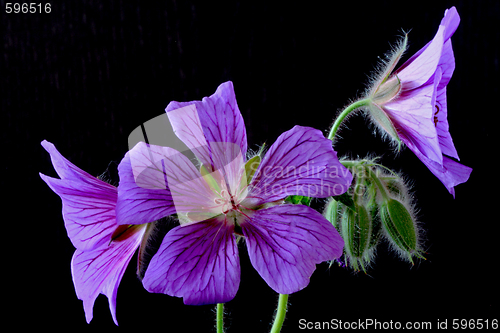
x,y
280,313
354,106
220,318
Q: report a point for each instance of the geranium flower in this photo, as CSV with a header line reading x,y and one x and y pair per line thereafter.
x,y
103,248
226,198
410,105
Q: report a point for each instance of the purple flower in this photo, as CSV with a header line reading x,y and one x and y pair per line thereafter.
x,y
410,105
227,198
103,248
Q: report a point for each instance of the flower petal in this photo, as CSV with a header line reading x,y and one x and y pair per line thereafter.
x,y
220,120
100,271
88,204
300,162
198,262
418,70
450,21
143,195
88,211
67,170
286,242
412,113
450,173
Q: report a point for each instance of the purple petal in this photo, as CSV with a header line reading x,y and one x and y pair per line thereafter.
x,y
142,192
220,119
198,262
67,170
450,173
100,271
88,204
417,72
441,122
300,162
286,242
187,126
450,21
413,116
88,211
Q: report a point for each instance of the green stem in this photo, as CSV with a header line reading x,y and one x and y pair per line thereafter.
x,y
343,114
220,317
280,313
379,184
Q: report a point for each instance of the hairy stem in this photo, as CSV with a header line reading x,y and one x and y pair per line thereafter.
x,y
220,317
280,313
343,114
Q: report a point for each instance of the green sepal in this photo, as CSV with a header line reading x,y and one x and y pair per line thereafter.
x,y
331,212
251,166
209,178
383,120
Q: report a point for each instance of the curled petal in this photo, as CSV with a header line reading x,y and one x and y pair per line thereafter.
x,y
286,242
198,262
300,162
450,173
67,170
88,203
100,271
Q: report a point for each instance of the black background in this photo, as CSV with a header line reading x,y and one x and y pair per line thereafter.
x,y
85,75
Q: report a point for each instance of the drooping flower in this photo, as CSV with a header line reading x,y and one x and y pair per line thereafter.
x,y
103,248
227,197
410,104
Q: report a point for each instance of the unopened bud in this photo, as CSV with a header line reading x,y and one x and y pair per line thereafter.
x,y
356,232
400,227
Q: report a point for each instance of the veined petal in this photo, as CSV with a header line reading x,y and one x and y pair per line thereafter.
x,y
88,211
220,120
286,242
100,271
412,114
198,262
88,203
145,200
300,162
443,129
419,70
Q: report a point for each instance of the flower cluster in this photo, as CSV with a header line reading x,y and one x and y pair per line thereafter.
x,y
220,192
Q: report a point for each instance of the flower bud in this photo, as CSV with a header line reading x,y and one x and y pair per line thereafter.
x,y
400,227
356,231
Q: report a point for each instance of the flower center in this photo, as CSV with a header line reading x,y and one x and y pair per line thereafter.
x,y
226,202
